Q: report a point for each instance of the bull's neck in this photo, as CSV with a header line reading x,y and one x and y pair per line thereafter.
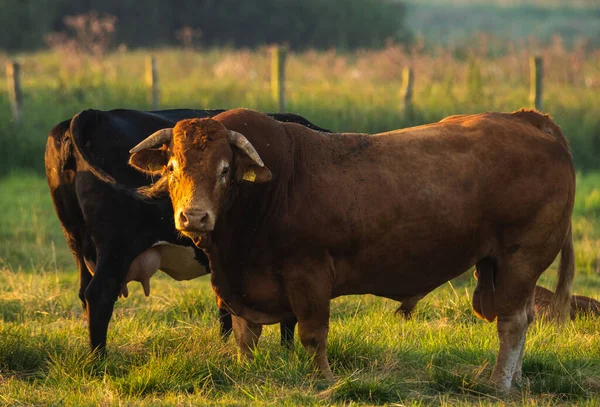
x,y
244,232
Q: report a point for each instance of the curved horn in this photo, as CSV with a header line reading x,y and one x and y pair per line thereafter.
x,y
241,142
153,140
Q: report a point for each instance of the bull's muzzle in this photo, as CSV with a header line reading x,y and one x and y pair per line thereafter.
x,y
194,221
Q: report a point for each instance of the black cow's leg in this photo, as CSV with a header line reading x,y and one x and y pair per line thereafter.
x,y
84,280
225,323
85,274
101,295
286,328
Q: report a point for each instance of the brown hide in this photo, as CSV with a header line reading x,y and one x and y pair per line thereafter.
x,y
358,214
446,194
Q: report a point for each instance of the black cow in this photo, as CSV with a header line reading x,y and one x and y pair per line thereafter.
x,y
114,237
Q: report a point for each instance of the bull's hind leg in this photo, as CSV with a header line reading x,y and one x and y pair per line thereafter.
x,y
529,307
511,332
246,335
513,301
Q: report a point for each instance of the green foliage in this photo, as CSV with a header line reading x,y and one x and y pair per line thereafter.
x,y
299,23
474,82
25,22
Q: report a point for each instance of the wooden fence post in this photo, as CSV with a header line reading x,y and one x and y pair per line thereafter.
x,y
152,81
536,72
407,91
13,77
278,55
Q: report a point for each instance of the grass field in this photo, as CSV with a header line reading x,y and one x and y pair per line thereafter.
x,y
164,350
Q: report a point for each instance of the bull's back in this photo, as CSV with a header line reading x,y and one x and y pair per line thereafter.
x,y
443,175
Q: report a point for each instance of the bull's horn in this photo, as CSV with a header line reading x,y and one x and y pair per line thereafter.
x,y
153,140
241,142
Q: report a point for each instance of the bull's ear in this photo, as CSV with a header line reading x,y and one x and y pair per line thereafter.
x,y
249,170
151,161
250,166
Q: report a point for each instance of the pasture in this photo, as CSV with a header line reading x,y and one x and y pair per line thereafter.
x,y
164,350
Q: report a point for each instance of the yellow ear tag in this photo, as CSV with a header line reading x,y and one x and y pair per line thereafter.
x,y
249,175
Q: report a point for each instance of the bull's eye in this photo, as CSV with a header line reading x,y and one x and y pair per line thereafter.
x,y
170,168
224,171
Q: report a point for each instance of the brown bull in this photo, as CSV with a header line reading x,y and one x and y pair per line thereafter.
x,y
292,217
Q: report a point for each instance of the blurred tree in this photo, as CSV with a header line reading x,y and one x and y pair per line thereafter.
x,y
301,24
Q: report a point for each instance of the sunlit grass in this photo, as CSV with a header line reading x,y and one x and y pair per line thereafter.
x,y
164,350
159,351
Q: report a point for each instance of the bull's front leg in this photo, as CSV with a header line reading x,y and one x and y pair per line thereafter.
x,y
246,336
287,327
308,289
225,323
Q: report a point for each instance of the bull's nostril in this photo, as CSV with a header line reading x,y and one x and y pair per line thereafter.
x,y
183,219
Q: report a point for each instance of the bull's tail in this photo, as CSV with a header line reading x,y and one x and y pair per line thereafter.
x,y
561,303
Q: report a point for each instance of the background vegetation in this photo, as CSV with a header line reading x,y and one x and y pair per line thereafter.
x,y
358,91
300,23
163,350
507,22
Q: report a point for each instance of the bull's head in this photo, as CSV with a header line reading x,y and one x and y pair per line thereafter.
x,y
200,159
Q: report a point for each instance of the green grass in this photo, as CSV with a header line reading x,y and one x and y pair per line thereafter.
x,y
164,350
